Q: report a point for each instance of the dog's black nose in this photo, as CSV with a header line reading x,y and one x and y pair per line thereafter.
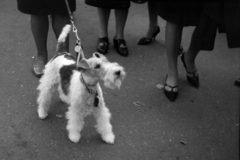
x,y
118,73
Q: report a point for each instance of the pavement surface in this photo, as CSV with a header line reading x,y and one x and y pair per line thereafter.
x,y
202,124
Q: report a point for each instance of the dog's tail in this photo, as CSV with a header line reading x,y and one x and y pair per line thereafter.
x,y
61,39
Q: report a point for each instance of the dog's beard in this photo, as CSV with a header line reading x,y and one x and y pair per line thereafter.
x,y
112,85
113,81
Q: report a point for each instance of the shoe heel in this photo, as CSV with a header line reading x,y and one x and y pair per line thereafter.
x,y
194,80
156,33
146,41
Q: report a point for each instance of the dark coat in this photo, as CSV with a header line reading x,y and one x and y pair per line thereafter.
x,y
45,7
110,4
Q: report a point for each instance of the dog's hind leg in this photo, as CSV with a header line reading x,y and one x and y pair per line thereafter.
x,y
46,89
103,116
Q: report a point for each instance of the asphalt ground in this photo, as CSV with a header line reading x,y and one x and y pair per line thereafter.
x,y
202,124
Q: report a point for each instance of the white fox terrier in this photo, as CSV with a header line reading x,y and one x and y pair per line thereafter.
x,y
78,86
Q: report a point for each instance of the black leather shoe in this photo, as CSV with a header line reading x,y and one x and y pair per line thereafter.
x,y
121,47
102,45
194,78
173,93
237,82
145,41
38,70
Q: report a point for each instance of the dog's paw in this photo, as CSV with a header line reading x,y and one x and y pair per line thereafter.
x,y
74,137
42,114
109,138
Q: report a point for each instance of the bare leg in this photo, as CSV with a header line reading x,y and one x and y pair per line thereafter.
x,y
58,22
121,18
153,18
173,39
103,15
39,27
193,51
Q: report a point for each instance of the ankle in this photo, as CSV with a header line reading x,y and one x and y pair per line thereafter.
x,y
171,84
102,35
151,31
42,57
118,36
172,80
153,28
190,63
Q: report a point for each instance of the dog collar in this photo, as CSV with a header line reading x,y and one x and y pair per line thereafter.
x,y
80,69
96,98
91,91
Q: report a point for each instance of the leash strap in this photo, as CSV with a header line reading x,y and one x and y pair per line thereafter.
x,y
78,47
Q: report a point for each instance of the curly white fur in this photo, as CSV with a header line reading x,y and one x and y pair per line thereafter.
x,y
80,101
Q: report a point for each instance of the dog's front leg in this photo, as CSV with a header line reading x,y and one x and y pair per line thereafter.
x,y
104,127
75,122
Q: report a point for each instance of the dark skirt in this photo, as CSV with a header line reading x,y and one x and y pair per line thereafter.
x,y
45,7
110,4
208,16
185,13
224,17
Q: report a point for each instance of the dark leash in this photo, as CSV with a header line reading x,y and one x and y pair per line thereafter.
x,y
80,55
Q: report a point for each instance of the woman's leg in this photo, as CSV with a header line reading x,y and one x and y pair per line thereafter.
x,y
121,18
119,42
153,18
58,22
173,37
39,27
103,15
103,41
193,50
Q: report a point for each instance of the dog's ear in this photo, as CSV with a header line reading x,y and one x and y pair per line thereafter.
x,y
97,55
83,64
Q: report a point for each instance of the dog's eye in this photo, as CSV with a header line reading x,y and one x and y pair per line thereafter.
x,y
97,66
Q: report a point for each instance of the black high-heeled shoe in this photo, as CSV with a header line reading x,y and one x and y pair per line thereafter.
x,y
180,51
145,41
194,79
237,82
102,45
120,46
173,93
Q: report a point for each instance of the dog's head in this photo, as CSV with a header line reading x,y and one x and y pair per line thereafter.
x,y
99,68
